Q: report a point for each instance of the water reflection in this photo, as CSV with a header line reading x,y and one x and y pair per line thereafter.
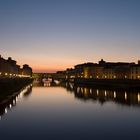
x,y
54,113
122,97
46,83
9,102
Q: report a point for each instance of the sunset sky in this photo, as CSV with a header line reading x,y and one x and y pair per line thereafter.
x,y
52,35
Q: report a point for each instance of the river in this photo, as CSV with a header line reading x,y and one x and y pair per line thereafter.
x,y
68,112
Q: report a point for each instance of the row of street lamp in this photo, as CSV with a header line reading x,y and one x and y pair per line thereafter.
x,y
10,75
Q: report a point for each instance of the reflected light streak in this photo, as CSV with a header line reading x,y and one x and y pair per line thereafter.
x,y
82,91
125,96
14,102
6,111
78,89
114,94
138,97
16,99
97,92
85,91
10,106
90,91
105,93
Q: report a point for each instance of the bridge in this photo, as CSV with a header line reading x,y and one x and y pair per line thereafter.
x,y
46,78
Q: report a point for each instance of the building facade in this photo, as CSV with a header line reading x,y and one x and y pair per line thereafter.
x,y
105,70
135,71
9,68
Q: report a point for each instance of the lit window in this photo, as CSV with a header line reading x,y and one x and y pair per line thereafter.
x,y
6,74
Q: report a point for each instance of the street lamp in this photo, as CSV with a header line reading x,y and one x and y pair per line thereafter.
x,y
6,74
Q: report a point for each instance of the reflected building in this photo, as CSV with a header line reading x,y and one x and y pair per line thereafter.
x,y
129,98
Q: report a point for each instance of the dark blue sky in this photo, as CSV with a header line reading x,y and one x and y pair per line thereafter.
x,y
55,34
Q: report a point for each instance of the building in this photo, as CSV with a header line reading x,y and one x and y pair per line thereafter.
x,y
4,67
135,71
105,70
82,70
13,67
10,68
93,71
26,70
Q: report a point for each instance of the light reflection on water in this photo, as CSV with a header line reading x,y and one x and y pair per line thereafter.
x,y
69,112
9,102
123,97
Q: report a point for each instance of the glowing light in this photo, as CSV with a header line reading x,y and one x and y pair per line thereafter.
x,y
14,102
82,90
5,110
90,91
10,106
78,89
138,97
105,92
114,76
86,91
114,94
21,95
16,99
47,84
97,91
125,96
72,76
71,86
6,74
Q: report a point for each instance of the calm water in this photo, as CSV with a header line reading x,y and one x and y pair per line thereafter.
x,y
68,112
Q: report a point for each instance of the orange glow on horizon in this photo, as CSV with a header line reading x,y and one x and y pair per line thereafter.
x,y
51,65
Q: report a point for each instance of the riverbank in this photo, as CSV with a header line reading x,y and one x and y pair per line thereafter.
x,y
8,86
9,101
109,83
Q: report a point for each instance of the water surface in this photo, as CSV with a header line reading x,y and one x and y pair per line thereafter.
x,y
70,112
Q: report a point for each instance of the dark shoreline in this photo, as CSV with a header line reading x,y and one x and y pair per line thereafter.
x,y
8,86
9,101
108,83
